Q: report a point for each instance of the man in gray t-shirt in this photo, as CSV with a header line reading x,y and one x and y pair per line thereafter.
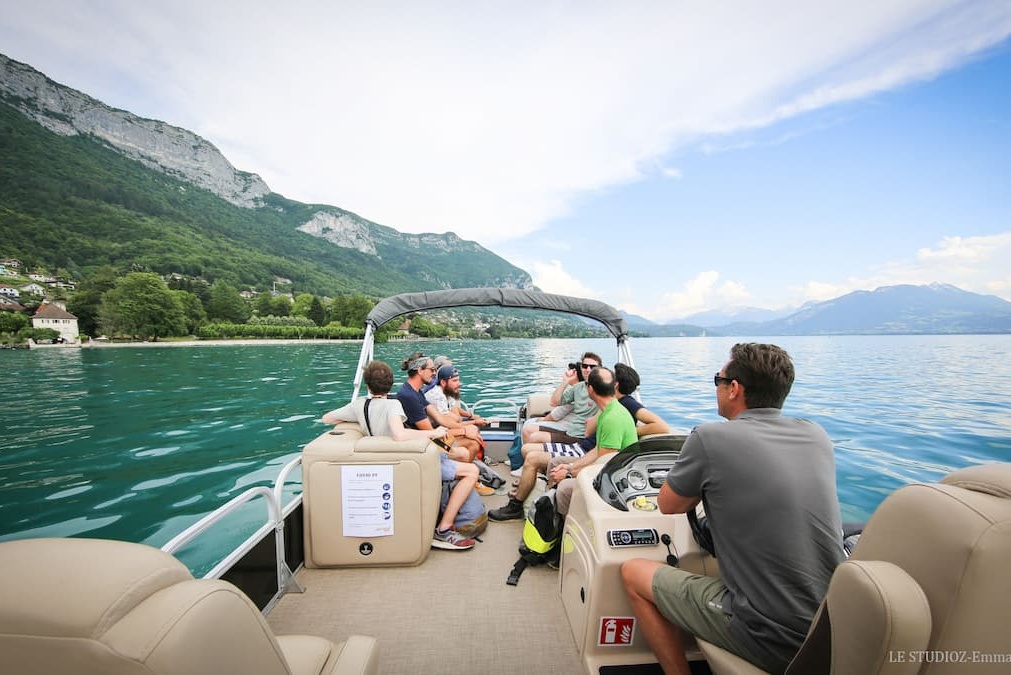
x,y
768,486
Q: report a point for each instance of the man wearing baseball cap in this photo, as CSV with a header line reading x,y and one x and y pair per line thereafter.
x,y
440,409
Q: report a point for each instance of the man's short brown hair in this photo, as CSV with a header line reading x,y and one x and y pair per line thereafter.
x,y
378,377
765,371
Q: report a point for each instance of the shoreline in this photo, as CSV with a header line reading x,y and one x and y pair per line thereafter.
x,y
93,344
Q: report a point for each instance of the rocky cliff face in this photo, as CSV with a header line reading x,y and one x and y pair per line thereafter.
x,y
175,151
188,157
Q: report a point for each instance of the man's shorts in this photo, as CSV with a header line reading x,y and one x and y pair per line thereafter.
x,y
448,467
559,436
572,451
695,603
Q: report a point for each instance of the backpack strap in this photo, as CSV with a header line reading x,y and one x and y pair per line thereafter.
x,y
514,576
367,424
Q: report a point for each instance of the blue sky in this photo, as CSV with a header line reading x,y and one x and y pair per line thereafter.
x,y
668,158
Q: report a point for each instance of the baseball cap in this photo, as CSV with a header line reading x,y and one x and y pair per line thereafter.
x,y
448,373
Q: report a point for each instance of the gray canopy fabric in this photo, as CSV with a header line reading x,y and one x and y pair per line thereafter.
x,y
398,305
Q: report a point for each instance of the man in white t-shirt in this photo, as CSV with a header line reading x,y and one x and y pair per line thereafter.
x,y
445,396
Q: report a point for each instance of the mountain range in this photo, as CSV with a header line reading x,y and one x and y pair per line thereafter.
x,y
85,185
889,310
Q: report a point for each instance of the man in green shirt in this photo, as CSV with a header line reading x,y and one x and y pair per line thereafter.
x,y
615,432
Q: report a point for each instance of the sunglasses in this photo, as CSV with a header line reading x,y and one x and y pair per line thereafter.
x,y
718,379
588,366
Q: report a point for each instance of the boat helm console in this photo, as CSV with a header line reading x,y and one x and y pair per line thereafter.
x,y
614,517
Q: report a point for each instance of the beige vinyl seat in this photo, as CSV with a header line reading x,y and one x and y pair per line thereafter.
x,y
926,591
329,465
538,405
92,606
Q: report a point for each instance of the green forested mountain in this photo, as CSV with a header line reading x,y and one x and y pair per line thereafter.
x,y
78,202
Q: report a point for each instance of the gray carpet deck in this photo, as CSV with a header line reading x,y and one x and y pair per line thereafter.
x,y
453,613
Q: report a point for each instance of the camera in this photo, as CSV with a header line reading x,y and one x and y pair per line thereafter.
x,y
579,371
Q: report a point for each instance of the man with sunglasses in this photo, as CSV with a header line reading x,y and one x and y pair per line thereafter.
x,y
571,391
453,462
769,488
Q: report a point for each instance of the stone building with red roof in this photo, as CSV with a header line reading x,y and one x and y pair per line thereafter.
x,y
53,316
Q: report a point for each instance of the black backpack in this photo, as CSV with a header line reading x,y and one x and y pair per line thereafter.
x,y
542,530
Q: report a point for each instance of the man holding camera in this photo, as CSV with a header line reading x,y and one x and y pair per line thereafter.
x,y
571,391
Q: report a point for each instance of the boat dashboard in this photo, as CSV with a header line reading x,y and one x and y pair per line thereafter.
x,y
632,479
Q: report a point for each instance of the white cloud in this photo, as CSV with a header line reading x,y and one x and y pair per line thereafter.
x,y
490,121
551,277
671,172
702,293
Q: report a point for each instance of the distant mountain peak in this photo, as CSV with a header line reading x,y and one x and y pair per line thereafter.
x,y
935,308
129,202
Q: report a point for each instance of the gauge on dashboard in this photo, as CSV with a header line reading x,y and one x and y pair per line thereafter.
x,y
636,479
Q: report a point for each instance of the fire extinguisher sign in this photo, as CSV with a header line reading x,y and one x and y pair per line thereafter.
x,y
616,631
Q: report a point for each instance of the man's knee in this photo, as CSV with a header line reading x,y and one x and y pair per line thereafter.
x,y
531,447
637,576
538,459
466,470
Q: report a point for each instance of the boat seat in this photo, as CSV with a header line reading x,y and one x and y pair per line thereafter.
x,y
94,606
343,533
538,405
928,577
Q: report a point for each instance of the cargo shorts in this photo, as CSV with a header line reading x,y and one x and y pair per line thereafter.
x,y
696,604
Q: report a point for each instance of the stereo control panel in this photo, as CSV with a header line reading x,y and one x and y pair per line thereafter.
x,y
643,536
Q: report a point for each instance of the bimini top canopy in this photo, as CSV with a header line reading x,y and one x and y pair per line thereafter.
x,y
398,305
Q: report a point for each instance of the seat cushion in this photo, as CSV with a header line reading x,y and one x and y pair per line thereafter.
x,y
308,655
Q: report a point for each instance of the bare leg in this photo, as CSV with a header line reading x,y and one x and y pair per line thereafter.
x,y
664,638
532,447
470,446
467,474
459,453
530,427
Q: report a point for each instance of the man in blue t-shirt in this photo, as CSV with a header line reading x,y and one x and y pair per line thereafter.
x,y
420,370
769,488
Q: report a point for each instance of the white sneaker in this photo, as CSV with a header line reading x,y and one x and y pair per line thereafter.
x,y
516,472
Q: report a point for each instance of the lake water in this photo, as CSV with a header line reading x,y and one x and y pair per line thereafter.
x,y
137,444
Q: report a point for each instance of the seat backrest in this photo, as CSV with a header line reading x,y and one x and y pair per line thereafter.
x,y
331,463
538,405
953,540
97,606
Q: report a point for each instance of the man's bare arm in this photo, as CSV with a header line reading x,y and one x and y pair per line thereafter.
x,y
671,502
650,423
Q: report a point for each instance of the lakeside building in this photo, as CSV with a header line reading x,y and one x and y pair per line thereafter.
x,y
59,319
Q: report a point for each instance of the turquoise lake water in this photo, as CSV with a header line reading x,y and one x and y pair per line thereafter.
x,y
138,443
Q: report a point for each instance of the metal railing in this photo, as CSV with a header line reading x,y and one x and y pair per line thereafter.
x,y
513,408
286,581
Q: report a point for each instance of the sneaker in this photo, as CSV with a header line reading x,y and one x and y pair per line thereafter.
x,y
511,511
484,490
516,472
451,540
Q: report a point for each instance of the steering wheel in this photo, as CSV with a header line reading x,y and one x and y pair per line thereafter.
x,y
700,530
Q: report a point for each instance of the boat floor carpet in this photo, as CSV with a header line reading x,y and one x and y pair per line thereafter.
x,y
454,613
